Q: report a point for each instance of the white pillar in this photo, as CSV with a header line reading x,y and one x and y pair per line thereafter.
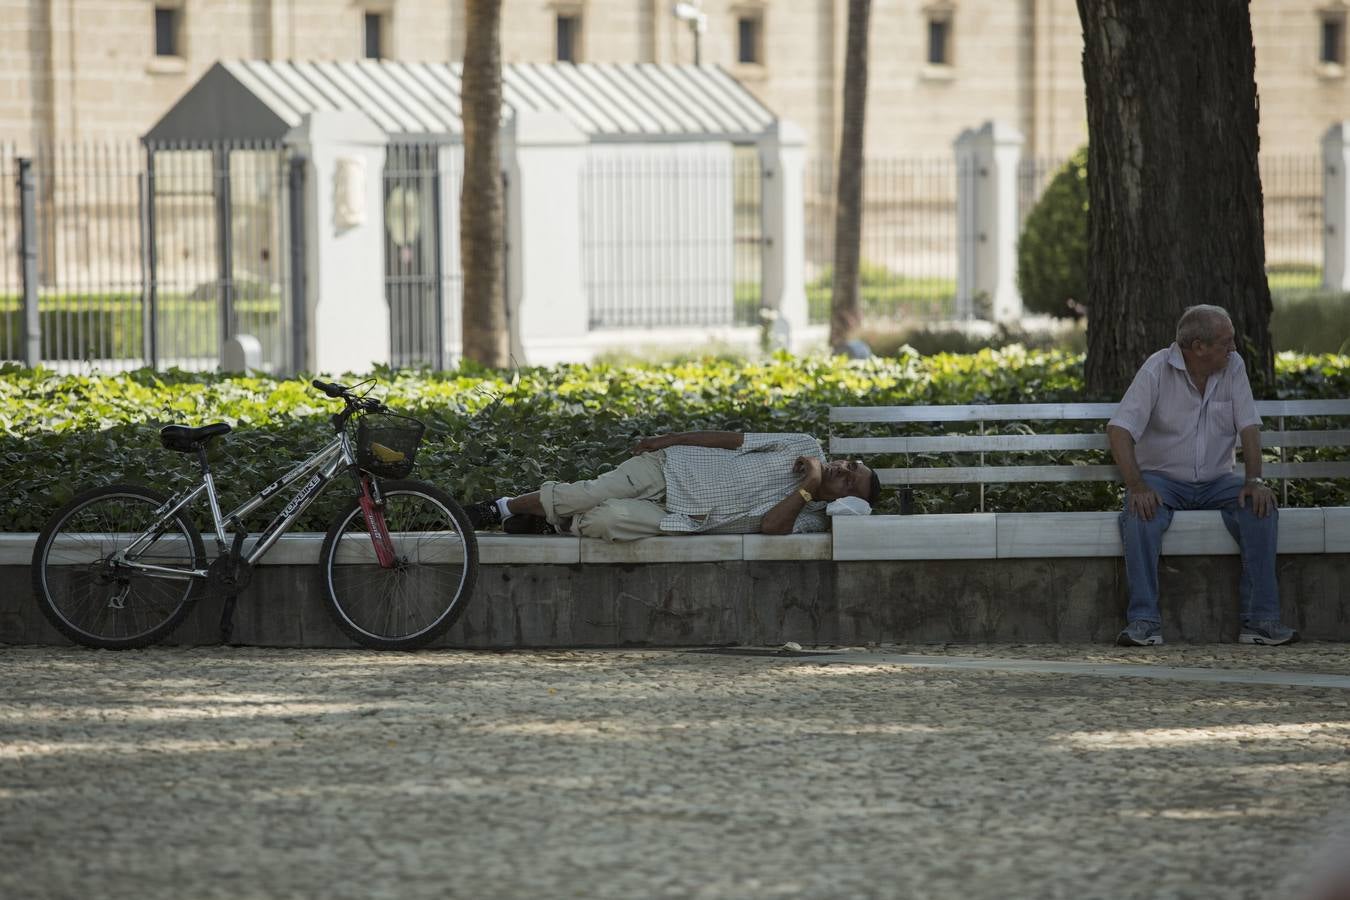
x,y
1336,208
450,164
782,155
543,154
986,212
347,315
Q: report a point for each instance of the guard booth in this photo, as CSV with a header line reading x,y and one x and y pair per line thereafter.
x,y
639,199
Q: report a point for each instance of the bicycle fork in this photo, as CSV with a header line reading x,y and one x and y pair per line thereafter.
x,y
373,509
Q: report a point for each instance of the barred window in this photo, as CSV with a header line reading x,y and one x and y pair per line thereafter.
x,y
568,39
749,48
374,36
939,41
168,28
1333,39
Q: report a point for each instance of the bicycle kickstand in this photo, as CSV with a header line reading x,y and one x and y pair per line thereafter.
x,y
227,619
227,613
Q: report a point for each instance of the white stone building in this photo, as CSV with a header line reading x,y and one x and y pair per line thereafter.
x,y
107,69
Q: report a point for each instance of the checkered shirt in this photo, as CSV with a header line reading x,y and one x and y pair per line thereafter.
x,y
712,491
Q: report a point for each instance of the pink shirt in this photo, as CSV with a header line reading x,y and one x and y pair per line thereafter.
x,y
1177,432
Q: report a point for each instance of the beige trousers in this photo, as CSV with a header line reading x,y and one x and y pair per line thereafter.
x,y
623,504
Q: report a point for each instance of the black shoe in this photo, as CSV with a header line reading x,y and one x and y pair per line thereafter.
x,y
484,514
527,523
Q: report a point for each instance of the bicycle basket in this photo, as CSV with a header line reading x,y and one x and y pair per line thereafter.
x,y
386,444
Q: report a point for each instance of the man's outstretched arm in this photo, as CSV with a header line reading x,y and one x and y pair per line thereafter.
x,y
721,440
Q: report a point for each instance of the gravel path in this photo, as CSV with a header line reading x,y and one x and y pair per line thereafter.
x,y
238,773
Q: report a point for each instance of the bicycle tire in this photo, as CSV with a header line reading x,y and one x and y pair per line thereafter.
x,y
70,572
361,594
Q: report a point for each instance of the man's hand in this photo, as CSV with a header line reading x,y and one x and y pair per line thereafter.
x,y
809,469
1143,500
1263,498
648,444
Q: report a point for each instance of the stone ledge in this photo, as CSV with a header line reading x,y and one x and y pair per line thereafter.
x,y
900,538
1068,535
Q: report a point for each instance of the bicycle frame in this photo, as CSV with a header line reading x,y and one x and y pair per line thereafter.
x,y
322,467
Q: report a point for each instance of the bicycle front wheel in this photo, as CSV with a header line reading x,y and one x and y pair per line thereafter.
x,y
82,579
423,592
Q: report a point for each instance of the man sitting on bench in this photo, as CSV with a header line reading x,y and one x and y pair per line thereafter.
x,y
698,482
1173,438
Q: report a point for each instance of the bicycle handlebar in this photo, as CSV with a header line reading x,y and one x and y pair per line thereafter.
x,y
330,388
354,403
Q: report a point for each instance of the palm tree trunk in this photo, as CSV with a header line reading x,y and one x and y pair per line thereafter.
x,y
845,309
1175,214
483,309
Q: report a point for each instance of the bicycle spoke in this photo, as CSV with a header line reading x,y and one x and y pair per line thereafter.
x,y
79,582
421,592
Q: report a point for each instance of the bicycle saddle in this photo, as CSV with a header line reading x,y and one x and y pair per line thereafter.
x,y
182,439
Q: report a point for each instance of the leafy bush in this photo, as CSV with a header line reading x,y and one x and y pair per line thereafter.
x,y
1052,253
491,433
1311,322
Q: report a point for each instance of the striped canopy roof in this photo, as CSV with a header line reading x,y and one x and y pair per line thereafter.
x,y
261,100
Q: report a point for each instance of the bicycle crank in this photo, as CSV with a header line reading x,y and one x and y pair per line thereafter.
x,y
229,573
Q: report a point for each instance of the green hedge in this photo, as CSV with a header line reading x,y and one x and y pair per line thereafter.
x,y
1311,322
492,433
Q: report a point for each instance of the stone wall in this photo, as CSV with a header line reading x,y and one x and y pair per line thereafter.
x,y
769,602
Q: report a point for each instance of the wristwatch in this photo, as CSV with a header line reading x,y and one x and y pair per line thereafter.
x,y
806,495
1256,480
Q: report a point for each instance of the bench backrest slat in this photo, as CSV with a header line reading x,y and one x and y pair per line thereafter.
x,y
1025,474
1016,412
1026,443
1089,436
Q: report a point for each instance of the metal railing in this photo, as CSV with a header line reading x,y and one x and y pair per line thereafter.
x,y
671,237
146,256
419,282
909,253
1292,188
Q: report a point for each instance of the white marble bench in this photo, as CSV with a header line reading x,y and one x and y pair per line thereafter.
x,y
985,535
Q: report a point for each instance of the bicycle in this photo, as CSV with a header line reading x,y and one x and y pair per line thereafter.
x,y
119,567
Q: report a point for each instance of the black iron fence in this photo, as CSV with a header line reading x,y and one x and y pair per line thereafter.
x,y
1292,189
146,256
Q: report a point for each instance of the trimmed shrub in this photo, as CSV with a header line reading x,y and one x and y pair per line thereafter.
x,y
492,433
1052,253
1311,322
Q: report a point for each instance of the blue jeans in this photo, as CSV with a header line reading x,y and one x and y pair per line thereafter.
x,y
1257,589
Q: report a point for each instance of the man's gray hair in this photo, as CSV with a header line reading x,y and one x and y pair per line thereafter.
x,y
1201,323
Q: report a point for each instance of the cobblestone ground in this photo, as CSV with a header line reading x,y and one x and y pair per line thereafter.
x,y
239,773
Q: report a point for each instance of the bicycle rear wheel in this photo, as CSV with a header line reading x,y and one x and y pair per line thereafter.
x,y
92,599
414,601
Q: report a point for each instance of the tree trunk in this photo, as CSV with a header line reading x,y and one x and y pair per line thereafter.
x,y
845,308
1175,216
483,309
